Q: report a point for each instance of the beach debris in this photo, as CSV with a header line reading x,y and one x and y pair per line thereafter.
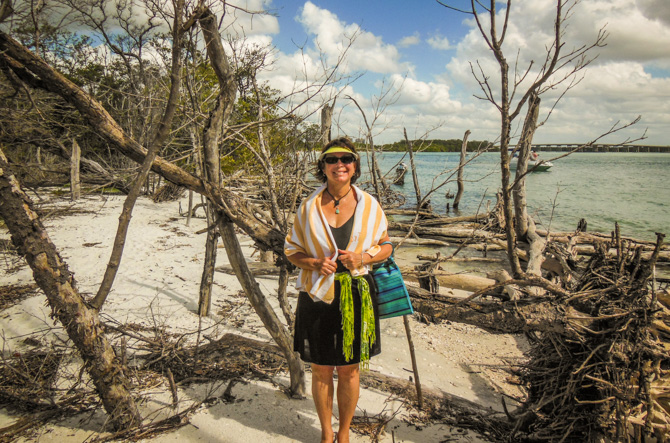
x,y
11,295
611,378
168,192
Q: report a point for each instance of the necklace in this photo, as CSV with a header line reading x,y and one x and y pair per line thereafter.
x,y
337,200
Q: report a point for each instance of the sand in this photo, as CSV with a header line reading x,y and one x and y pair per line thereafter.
x,y
157,285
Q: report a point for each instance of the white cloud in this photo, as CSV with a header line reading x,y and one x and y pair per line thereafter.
x,y
410,40
365,51
439,42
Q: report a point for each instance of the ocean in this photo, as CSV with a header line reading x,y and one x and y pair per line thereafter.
x,y
632,189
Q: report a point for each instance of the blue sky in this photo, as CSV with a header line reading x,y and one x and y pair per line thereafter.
x,y
432,49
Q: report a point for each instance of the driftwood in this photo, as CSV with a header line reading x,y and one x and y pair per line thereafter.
x,y
448,232
419,241
461,259
611,379
461,165
257,269
464,282
512,317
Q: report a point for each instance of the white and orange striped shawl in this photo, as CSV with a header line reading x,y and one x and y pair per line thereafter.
x,y
311,235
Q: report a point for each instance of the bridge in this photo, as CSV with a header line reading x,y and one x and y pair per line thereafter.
x,y
599,147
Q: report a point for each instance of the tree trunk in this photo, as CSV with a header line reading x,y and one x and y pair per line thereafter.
x,y
190,208
262,307
283,296
455,232
417,189
415,367
212,169
519,186
207,279
218,118
326,122
446,279
81,323
75,182
461,165
505,134
377,176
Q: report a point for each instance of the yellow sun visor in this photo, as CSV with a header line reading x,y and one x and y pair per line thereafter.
x,y
335,150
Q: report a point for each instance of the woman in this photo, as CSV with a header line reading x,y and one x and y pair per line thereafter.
x,y
334,241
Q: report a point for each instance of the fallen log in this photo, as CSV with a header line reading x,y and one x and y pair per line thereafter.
x,y
592,237
257,269
465,282
513,317
461,259
429,218
452,232
419,241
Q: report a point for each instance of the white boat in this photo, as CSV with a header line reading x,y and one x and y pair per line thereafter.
x,y
534,163
533,166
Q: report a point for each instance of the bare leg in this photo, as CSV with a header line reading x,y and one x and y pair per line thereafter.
x,y
348,385
322,392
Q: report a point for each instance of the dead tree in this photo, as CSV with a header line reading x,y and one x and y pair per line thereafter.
x,y
89,166
387,97
415,179
326,122
558,68
523,152
75,181
461,165
218,118
81,322
161,136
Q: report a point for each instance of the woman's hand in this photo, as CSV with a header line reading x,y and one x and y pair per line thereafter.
x,y
350,260
325,266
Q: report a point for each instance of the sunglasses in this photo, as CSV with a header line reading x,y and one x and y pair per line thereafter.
x,y
346,160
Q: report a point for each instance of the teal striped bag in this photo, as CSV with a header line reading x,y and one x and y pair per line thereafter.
x,y
392,296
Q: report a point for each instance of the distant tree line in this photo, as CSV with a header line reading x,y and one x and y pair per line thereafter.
x,y
452,145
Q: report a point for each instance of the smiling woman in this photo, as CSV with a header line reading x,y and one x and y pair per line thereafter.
x,y
334,241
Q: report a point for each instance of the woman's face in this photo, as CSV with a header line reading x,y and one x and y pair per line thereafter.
x,y
339,172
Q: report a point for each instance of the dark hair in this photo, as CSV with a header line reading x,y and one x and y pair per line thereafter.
x,y
342,142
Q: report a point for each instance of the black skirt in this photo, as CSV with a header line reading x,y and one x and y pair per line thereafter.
x,y
318,328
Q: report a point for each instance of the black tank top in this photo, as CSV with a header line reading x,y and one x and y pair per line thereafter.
x,y
342,236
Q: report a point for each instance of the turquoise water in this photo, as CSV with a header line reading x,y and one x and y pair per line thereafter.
x,y
632,189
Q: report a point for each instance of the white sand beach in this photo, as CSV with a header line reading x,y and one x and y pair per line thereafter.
x,y
157,286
